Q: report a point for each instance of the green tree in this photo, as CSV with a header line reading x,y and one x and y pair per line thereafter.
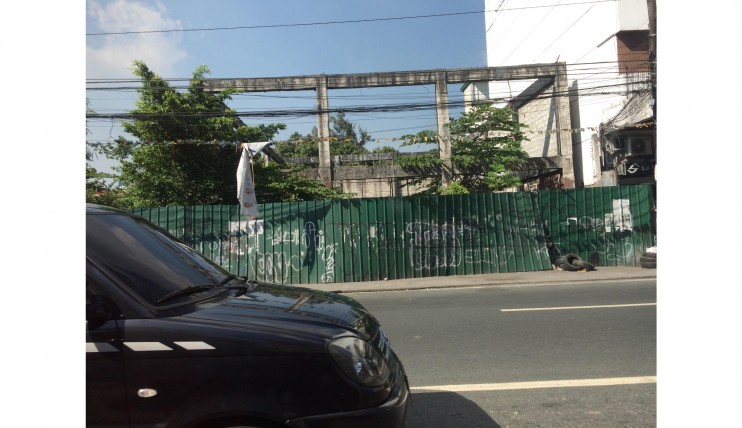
x,y
298,146
274,184
188,151
346,138
488,140
485,150
385,149
99,187
164,115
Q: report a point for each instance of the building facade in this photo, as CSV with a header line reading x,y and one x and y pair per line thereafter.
x,y
609,51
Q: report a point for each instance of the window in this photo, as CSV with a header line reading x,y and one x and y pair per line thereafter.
x,y
150,261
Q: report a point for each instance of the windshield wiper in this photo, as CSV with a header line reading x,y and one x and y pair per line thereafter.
x,y
193,289
226,280
245,286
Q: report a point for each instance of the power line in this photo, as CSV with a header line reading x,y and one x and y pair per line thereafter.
x,y
611,80
565,31
529,33
302,112
496,16
352,21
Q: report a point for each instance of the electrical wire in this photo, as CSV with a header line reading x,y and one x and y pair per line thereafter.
x,y
611,89
352,21
538,24
602,80
564,32
346,109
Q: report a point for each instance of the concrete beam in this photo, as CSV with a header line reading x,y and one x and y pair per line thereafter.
x,y
533,164
440,78
383,79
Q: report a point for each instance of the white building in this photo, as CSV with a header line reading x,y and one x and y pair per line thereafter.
x,y
604,44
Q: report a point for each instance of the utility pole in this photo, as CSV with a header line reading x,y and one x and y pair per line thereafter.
x,y
652,15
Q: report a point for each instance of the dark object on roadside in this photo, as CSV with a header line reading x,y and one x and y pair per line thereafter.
x,y
648,260
648,265
173,340
573,263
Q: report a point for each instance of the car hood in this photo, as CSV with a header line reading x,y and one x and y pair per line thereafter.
x,y
297,309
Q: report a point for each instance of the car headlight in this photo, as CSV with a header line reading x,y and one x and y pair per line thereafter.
x,y
360,361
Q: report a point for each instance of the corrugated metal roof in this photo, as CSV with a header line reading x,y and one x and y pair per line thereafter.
x,y
638,109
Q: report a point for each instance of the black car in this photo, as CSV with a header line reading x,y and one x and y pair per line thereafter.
x,y
173,340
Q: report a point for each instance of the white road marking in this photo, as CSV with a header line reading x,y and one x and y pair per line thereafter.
x,y
573,383
577,307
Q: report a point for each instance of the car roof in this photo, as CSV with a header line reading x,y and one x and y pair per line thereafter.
x,y
102,209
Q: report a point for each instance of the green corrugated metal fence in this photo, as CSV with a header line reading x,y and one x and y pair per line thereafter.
x,y
607,226
420,236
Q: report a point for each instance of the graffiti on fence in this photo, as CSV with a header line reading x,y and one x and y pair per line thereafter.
x,y
400,239
500,255
308,250
619,219
433,245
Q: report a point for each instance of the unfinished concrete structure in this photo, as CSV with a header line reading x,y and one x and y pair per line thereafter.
x,y
332,174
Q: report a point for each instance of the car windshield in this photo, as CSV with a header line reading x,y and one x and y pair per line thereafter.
x,y
146,258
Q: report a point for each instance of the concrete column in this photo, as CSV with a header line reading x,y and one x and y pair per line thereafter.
x,y
576,137
564,126
444,136
596,159
323,132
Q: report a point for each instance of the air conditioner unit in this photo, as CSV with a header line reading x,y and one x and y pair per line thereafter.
x,y
638,146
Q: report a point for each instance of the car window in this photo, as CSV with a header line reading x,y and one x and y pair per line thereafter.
x,y
150,261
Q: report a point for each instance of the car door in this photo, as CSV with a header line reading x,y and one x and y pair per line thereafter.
x,y
105,401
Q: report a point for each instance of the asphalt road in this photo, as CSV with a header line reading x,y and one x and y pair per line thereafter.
x,y
526,356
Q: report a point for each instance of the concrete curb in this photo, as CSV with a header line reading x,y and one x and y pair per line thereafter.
x,y
616,273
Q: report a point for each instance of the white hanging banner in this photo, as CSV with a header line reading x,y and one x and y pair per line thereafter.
x,y
245,187
256,148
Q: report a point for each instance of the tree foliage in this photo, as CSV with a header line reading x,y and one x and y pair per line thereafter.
x,y
485,149
298,146
346,138
489,140
274,184
99,186
165,115
188,149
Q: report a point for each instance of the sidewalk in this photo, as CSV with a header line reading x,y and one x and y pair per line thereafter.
x,y
493,279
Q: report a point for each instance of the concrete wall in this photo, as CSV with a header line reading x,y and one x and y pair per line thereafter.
x,y
384,181
380,187
540,115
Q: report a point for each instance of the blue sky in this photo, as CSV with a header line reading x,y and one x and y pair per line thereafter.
x,y
456,41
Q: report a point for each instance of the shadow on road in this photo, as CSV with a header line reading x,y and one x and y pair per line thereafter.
x,y
446,409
